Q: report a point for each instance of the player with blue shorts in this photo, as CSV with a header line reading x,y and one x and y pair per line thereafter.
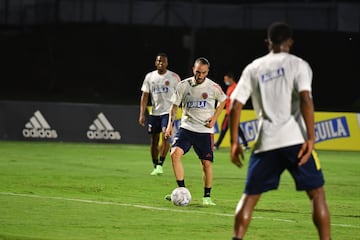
x,y
160,85
265,169
197,96
156,124
201,143
279,85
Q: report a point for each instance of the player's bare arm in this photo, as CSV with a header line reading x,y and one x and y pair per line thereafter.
x,y
211,121
236,149
143,105
172,118
307,110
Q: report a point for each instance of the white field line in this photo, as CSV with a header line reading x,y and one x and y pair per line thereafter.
x,y
153,208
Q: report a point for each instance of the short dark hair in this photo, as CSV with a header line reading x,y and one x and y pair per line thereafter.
x,y
202,60
162,54
278,32
230,75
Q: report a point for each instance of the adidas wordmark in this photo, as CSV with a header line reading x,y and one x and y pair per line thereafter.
x,y
102,129
38,127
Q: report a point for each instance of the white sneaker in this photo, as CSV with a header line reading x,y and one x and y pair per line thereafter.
x,y
208,202
157,171
245,148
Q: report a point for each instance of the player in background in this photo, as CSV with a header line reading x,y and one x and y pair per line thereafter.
x,y
198,95
229,80
160,84
279,85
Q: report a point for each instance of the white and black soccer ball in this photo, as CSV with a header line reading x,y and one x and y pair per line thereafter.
x,y
181,196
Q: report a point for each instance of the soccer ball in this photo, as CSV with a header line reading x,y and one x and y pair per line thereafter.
x,y
181,196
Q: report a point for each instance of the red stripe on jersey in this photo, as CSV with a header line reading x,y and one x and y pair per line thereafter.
x,y
217,86
176,76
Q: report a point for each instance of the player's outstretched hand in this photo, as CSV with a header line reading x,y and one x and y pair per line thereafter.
x,y
305,152
236,151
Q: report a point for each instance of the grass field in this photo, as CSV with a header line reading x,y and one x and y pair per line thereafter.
x,y
104,191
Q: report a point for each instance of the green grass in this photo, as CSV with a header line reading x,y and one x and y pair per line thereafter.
x,y
104,191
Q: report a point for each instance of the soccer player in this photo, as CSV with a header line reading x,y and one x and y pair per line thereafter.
x,y
229,81
197,95
160,85
279,85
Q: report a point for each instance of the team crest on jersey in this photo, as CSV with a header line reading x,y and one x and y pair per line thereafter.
x,y
204,95
167,83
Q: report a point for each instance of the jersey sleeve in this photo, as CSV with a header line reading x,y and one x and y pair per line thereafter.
x,y
219,93
303,79
243,89
179,93
146,84
177,77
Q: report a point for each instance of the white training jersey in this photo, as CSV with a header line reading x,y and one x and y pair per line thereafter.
x,y
198,103
161,88
274,82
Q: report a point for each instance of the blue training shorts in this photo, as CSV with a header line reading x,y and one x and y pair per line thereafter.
x,y
201,142
157,123
265,169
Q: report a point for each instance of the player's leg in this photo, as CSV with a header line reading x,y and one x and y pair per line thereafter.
x,y
154,130
207,181
178,168
320,212
309,177
154,149
224,128
263,174
165,145
202,144
162,151
180,146
243,214
243,138
207,174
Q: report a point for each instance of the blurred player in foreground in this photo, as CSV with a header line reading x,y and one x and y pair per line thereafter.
x,y
279,85
229,80
198,95
160,84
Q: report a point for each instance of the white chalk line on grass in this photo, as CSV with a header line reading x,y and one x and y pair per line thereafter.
x,y
154,208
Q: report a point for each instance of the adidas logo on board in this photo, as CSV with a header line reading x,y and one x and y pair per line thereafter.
x,y
38,127
102,129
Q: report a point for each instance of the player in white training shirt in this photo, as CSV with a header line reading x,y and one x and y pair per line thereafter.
x,y
197,96
160,85
279,85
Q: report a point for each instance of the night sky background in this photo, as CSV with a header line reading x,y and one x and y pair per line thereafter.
x,y
102,62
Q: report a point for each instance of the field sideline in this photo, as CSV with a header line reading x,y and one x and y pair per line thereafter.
x,y
104,191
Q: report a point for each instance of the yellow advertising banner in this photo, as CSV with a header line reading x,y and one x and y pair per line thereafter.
x,y
333,130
